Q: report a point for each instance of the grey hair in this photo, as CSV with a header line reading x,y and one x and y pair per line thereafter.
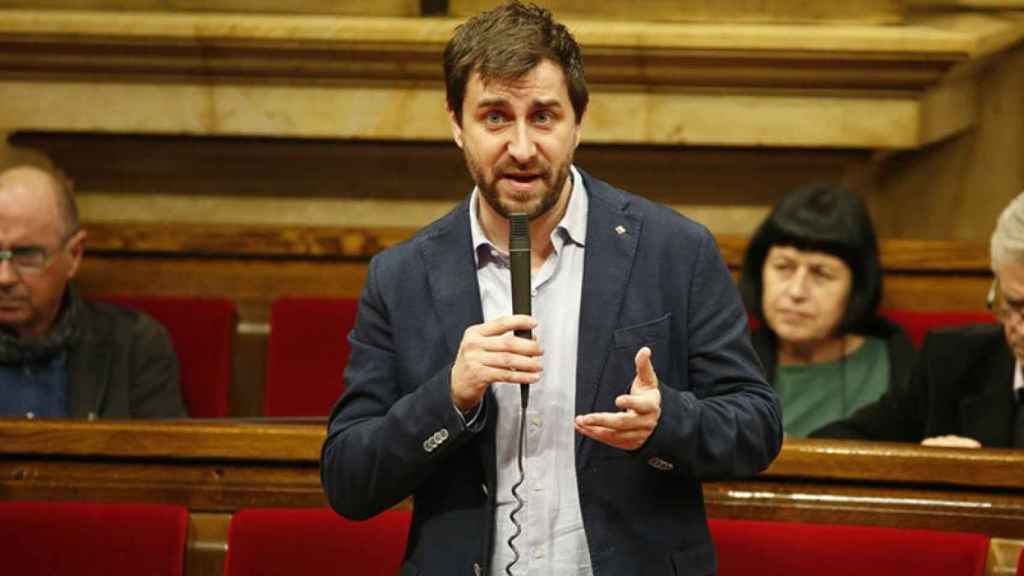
x,y
1007,244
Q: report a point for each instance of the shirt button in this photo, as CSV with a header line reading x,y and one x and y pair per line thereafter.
x,y
533,292
538,552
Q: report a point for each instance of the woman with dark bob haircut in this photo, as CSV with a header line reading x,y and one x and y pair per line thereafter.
x,y
812,278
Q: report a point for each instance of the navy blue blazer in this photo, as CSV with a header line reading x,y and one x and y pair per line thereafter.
x,y
651,278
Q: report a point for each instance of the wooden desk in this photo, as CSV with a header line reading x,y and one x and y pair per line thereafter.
x,y
214,468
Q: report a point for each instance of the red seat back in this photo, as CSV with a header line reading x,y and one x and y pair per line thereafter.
x,y
273,541
202,331
917,323
306,354
46,538
767,548
1020,563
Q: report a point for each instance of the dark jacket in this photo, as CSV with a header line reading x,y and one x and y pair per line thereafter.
x,y
651,277
898,344
962,384
122,365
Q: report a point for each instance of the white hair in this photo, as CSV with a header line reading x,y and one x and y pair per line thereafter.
x,y
1007,244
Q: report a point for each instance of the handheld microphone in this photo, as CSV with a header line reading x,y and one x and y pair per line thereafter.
x,y
519,263
519,257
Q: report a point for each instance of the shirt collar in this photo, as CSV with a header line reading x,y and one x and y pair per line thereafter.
x,y
572,227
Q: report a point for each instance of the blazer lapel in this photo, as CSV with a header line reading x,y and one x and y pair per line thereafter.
x,y
612,238
451,272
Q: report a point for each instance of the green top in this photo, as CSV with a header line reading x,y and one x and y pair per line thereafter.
x,y
814,395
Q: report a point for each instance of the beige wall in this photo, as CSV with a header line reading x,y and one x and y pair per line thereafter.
x,y
955,189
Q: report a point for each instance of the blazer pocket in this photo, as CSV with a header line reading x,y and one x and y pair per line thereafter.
x,y
644,334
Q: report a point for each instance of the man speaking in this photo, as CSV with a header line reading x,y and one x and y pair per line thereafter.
x,y
642,380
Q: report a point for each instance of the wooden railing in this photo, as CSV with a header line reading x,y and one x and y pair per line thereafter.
x,y
215,468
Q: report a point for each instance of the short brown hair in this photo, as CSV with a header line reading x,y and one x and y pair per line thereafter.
x,y
506,43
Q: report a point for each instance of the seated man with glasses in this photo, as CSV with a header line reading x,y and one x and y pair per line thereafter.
x,y
61,356
966,383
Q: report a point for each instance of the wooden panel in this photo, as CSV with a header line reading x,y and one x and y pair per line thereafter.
x,y
346,7
335,243
217,468
774,11
207,544
221,74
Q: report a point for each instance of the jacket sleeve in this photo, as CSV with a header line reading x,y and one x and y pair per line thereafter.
x,y
155,389
727,422
385,436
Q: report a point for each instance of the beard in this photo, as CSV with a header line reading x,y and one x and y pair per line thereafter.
x,y
532,204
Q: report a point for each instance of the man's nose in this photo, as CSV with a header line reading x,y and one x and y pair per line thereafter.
x,y
8,275
522,148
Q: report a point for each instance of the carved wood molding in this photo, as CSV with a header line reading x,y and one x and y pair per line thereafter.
x,y
316,243
262,48
299,443
855,86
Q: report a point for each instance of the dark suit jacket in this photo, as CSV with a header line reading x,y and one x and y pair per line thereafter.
x,y
962,384
122,366
661,283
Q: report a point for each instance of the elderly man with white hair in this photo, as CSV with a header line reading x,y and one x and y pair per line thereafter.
x,y
967,386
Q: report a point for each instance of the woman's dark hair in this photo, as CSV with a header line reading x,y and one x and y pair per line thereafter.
x,y
820,218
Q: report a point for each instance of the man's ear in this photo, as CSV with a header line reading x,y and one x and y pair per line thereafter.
x,y
456,127
75,248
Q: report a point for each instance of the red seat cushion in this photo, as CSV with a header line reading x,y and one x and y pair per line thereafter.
x,y
273,541
765,548
917,323
202,331
47,538
306,354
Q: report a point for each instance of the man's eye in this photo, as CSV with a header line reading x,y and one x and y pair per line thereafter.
x,y
494,118
543,117
29,255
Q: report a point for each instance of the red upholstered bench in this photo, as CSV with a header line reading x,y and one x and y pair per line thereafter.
x,y
917,323
202,331
306,354
47,538
768,548
1020,563
274,541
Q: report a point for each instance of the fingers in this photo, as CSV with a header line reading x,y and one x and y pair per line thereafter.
x,y
490,353
621,429
626,440
951,441
645,376
621,421
641,404
500,326
640,410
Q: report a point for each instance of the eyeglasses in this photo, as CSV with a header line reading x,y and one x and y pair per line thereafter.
x,y
997,304
32,260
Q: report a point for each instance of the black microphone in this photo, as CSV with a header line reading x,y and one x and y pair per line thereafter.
x,y
519,257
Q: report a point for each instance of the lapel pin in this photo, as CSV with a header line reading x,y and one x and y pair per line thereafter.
x,y
620,229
